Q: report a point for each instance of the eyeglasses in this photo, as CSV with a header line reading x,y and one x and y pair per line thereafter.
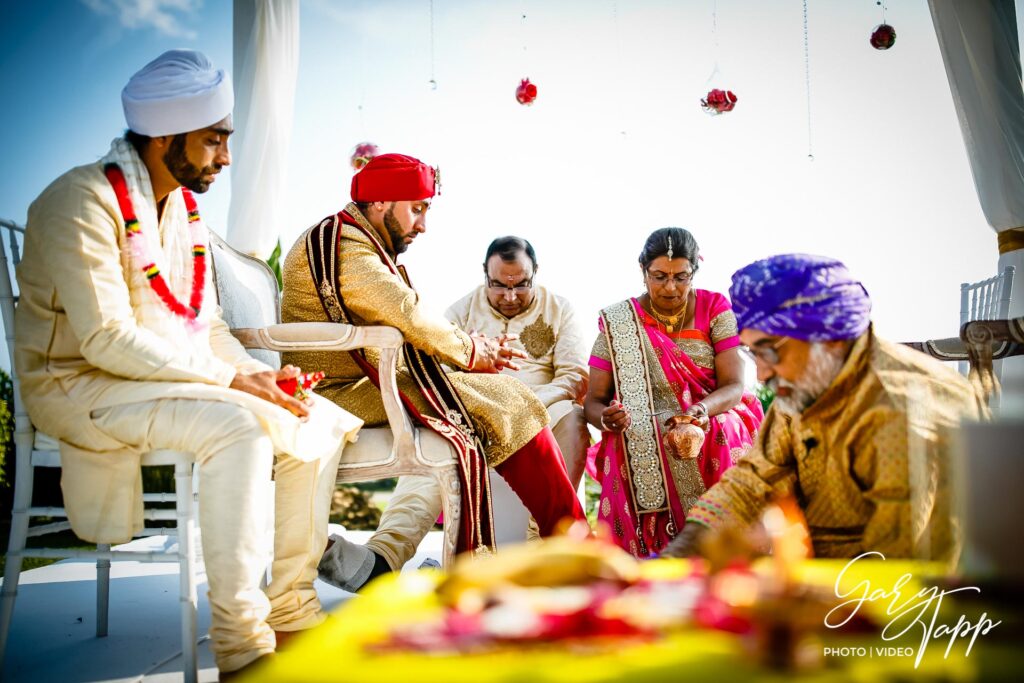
x,y
767,353
662,279
523,288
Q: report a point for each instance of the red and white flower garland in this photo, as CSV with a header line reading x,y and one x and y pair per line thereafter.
x,y
149,267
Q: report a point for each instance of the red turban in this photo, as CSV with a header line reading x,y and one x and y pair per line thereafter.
x,y
393,178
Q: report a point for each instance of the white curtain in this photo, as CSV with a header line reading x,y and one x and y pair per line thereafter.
x,y
266,55
980,47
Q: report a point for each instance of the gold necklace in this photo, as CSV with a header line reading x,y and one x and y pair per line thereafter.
x,y
669,321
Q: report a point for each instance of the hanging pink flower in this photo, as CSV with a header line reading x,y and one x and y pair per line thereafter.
x,y
526,93
362,154
883,37
718,101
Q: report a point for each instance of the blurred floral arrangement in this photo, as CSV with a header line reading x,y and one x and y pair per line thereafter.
x,y
588,593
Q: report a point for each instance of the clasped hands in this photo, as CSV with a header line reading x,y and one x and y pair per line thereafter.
x,y
264,385
493,354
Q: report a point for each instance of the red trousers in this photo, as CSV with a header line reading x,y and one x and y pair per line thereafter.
x,y
536,472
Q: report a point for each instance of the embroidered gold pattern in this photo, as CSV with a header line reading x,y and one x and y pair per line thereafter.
x,y
537,338
632,380
606,507
699,351
723,326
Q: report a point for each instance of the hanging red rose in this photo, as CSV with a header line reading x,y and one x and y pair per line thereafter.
x,y
526,93
883,37
718,101
362,154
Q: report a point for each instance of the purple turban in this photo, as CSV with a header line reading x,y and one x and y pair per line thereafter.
x,y
803,296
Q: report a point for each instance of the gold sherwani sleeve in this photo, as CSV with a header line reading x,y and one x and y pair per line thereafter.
x,y
767,468
379,297
570,362
82,237
900,468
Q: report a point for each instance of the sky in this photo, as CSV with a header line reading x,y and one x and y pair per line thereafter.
x,y
615,146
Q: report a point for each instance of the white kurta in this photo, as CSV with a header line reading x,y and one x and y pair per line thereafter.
x,y
81,347
556,364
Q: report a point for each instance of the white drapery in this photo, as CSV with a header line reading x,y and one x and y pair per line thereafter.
x,y
980,47
266,64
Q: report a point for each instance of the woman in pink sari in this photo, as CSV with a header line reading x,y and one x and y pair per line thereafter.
x,y
672,351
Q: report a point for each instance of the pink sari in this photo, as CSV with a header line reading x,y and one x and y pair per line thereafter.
x,y
677,375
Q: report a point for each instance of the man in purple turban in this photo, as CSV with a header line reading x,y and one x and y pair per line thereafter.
x,y
859,432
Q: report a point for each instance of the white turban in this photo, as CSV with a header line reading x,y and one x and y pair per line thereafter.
x,y
177,92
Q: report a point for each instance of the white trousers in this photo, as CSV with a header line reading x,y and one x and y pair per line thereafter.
x,y
416,503
235,458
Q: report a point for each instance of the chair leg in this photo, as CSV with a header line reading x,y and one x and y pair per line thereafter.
x,y
186,568
12,574
102,592
23,483
451,502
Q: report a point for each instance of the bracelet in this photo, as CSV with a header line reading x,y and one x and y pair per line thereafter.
x,y
700,406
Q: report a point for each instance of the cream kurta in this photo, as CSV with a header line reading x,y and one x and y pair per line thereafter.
x,y
868,461
79,348
507,414
555,367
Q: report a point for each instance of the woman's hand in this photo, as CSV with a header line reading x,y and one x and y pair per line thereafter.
x,y
698,414
615,418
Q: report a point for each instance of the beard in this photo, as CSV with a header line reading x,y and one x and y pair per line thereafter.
x,y
395,232
821,369
183,170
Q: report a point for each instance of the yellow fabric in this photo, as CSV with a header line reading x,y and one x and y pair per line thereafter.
x,y
341,648
868,461
79,347
1010,240
507,413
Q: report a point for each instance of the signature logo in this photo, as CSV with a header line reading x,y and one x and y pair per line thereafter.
x,y
919,610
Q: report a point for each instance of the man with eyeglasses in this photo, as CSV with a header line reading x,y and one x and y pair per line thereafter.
x,y
541,324
345,269
860,429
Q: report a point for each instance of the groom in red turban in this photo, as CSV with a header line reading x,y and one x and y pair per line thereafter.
x,y
344,270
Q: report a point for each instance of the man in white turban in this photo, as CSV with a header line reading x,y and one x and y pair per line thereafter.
x,y
121,350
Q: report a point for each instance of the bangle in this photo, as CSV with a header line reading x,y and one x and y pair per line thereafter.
x,y
700,406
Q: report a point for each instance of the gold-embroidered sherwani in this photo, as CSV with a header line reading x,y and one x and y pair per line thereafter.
x,y
868,461
504,411
555,367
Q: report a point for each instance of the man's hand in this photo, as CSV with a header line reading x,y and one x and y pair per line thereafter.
x,y
264,385
494,355
615,418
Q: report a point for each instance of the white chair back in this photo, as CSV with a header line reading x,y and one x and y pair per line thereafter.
x,y
247,292
988,299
